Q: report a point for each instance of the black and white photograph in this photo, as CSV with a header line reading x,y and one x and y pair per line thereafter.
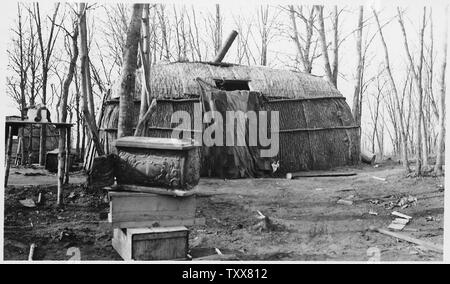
x,y
193,132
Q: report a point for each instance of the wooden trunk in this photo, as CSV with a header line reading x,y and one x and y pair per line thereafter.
x,y
138,210
169,243
161,162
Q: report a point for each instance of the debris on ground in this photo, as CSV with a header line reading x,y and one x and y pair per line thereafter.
x,y
407,201
431,218
378,178
72,195
31,254
66,235
41,198
265,225
347,200
401,215
34,174
398,224
29,203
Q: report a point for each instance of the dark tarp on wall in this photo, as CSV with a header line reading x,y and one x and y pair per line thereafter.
x,y
235,161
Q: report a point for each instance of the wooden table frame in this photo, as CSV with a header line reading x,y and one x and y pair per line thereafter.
x,y
16,124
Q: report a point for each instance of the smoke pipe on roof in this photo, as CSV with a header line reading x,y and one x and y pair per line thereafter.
x,y
224,49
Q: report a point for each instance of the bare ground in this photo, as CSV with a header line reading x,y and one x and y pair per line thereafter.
x,y
308,224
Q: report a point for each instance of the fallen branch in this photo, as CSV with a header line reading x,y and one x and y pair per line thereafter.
x,y
425,244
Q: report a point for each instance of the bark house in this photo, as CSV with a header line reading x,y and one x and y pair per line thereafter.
x,y
317,129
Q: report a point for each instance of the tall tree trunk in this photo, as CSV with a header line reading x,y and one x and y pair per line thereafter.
x,y
23,82
323,41
404,139
335,69
359,68
86,89
78,115
127,87
441,133
145,60
63,153
417,76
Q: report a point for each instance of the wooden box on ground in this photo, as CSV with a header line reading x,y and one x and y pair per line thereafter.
x,y
51,161
164,243
138,210
161,162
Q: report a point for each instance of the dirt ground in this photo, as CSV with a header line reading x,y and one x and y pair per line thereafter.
x,y
307,222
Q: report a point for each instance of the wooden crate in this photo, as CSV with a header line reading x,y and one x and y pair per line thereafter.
x,y
139,210
164,243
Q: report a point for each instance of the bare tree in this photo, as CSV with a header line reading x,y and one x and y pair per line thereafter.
x,y
305,48
331,71
417,76
244,52
128,78
396,97
19,64
46,50
86,85
359,69
194,36
441,133
62,156
165,33
375,114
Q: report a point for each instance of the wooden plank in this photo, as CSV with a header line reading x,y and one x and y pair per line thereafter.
x,y
401,215
122,244
154,190
134,209
161,223
322,174
19,123
153,143
427,245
